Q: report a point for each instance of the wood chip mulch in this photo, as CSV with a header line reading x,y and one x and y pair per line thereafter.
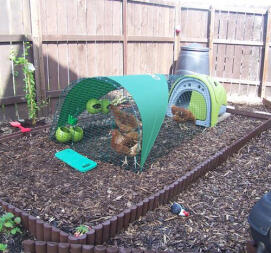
x,y
219,205
34,180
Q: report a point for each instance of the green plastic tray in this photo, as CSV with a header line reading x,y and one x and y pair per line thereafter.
x,y
75,160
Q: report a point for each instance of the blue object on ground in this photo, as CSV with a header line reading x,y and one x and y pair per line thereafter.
x,y
76,160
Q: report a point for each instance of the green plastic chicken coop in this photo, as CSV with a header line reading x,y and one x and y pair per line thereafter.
x,y
202,95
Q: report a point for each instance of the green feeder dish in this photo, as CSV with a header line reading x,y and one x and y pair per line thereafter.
x,y
76,133
104,104
93,106
63,134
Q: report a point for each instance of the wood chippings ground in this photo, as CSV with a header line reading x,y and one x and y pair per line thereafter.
x,y
33,180
219,205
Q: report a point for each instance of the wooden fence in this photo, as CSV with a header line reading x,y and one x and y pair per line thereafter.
x,y
82,38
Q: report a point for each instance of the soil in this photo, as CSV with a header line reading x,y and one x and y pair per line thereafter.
x,y
219,205
14,242
34,180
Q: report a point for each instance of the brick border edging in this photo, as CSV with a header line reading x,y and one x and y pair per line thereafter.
x,y
102,232
31,246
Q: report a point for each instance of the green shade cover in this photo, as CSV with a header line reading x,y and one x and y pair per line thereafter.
x,y
150,93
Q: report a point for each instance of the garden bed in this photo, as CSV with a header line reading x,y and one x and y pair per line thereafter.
x,y
43,186
219,204
13,242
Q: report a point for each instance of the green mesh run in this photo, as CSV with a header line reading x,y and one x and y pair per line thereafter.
x,y
145,99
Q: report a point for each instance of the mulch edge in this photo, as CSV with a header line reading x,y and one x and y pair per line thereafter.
x,y
44,232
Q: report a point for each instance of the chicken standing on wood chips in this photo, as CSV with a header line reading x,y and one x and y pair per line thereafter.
x,y
125,139
182,115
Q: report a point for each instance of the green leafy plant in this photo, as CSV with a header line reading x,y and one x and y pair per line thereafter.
x,y
3,246
30,87
80,230
9,224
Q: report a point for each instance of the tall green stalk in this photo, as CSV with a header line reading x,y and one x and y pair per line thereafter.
x,y
30,87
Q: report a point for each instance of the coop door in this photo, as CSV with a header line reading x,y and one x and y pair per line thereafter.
x,y
194,102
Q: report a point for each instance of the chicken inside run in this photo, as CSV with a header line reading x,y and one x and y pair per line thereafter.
x,y
126,125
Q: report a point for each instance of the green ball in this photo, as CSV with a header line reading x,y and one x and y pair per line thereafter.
x,y
63,134
93,106
77,133
105,103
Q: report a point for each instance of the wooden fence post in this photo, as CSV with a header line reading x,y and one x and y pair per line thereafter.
x,y
211,36
124,32
267,32
37,51
177,34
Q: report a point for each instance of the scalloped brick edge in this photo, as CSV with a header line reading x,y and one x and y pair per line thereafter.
x,y
31,246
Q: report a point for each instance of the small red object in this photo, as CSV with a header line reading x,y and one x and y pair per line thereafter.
x,y
184,213
18,124
178,29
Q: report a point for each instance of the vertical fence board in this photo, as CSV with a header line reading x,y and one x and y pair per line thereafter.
x,y
6,82
267,40
67,61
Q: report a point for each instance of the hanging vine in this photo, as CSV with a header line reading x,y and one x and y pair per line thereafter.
x,y
30,87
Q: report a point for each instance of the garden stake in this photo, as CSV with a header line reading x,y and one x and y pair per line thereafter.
x,y
151,200
100,249
82,239
55,234
106,230
63,247
139,210
145,207
133,214
75,248
29,246
98,234
40,247
113,226
47,228
126,220
120,222
112,250
32,225
52,247
73,239
63,237
91,237
39,230
87,249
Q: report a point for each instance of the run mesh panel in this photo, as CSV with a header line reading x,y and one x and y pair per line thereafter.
x,y
96,143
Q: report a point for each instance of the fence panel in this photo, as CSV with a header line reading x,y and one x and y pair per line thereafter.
x,y
81,38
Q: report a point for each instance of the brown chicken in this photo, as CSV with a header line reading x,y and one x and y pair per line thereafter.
x,y
126,122
182,115
126,143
